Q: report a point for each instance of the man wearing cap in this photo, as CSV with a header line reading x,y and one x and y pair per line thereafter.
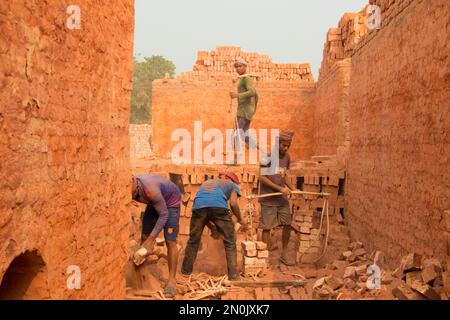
x,y
211,205
247,99
275,211
163,199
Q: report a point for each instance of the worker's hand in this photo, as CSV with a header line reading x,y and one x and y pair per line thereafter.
x,y
233,95
285,191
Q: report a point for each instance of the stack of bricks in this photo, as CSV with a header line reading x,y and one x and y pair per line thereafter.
x,y
219,64
322,174
140,141
343,40
255,256
307,223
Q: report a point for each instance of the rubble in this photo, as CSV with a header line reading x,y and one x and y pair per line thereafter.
x,y
422,277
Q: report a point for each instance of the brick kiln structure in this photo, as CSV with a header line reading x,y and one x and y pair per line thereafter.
x,y
387,98
380,104
64,148
379,111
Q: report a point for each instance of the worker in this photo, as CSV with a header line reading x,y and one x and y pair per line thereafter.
x,y
211,205
163,199
275,211
247,97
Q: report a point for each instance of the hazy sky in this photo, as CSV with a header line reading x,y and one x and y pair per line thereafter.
x,y
290,31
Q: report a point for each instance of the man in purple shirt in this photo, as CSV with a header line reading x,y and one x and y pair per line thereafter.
x,y
163,199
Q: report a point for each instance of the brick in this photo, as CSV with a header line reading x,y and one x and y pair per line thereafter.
x,y
308,219
334,282
315,231
426,291
432,269
403,292
261,245
346,254
263,254
251,253
413,278
316,244
305,237
350,272
248,245
411,262
307,225
303,249
305,230
359,252
250,261
304,244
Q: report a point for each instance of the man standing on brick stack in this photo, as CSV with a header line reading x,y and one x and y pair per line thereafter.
x,y
211,205
275,210
163,199
247,101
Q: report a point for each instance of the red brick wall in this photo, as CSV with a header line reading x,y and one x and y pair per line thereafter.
x,y
64,144
283,105
331,112
398,173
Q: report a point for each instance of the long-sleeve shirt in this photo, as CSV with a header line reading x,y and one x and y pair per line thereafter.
x,y
247,97
160,193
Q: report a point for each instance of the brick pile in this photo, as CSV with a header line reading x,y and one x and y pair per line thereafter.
x,y
140,135
422,279
255,256
219,64
343,40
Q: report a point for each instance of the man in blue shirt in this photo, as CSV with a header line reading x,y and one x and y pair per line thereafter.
x,y
211,205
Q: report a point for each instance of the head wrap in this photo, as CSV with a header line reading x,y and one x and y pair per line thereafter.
x,y
240,61
230,175
286,136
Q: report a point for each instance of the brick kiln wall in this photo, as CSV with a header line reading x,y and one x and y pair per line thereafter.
x,y
140,141
331,123
64,145
178,103
398,172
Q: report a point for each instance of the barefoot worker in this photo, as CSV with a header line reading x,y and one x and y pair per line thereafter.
x,y
163,199
247,97
275,211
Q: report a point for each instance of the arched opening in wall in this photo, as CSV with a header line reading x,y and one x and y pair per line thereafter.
x,y
25,279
